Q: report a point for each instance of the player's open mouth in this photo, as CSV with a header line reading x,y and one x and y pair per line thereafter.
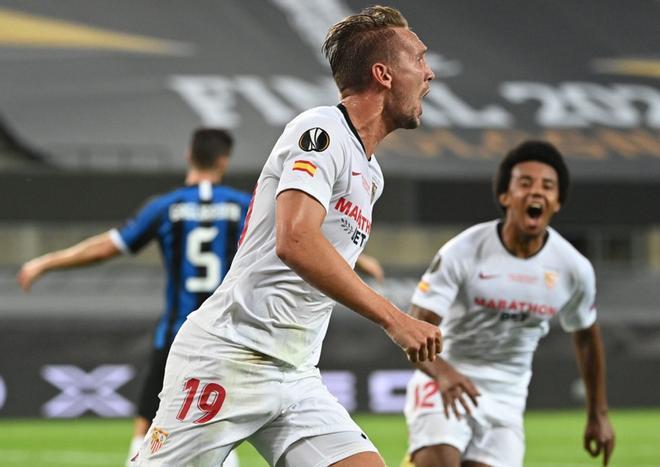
x,y
534,210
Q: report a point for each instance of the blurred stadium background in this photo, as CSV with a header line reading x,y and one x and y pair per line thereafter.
x,y
98,98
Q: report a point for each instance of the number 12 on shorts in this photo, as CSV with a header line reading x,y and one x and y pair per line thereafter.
x,y
424,395
210,400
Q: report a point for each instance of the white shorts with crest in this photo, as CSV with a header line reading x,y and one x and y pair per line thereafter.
x,y
217,394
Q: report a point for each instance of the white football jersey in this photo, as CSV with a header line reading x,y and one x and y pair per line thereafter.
x,y
262,303
495,307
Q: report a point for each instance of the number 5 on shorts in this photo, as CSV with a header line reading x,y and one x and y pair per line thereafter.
x,y
209,402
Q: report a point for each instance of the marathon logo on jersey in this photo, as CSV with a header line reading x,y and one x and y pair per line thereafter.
x,y
423,286
516,306
205,212
304,166
158,438
314,139
360,229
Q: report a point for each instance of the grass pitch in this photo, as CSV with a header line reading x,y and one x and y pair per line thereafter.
x,y
554,439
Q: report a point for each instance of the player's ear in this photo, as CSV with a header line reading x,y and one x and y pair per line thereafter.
x,y
503,198
382,74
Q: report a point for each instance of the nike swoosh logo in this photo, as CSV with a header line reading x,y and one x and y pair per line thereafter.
x,y
356,173
487,276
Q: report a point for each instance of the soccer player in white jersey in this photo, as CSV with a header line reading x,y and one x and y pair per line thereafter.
x,y
243,366
493,289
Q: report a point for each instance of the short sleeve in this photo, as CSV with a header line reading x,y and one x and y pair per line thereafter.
x,y
313,159
580,311
139,230
439,285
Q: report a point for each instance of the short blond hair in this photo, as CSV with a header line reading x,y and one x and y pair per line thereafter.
x,y
355,43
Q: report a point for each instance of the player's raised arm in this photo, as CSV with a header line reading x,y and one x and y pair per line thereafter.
x,y
301,245
598,434
91,250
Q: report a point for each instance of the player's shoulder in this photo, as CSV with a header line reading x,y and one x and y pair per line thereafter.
x,y
225,192
325,113
318,125
470,240
163,200
468,246
570,256
178,194
156,206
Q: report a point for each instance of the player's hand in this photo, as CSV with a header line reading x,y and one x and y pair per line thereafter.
x,y
455,388
599,437
29,273
421,341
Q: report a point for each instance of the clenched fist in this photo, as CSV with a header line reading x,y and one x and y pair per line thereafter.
x,y
420,340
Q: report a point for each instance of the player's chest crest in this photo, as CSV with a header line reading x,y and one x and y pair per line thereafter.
x,y
362,187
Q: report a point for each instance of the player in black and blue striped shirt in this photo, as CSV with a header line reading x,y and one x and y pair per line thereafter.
x,y
197,227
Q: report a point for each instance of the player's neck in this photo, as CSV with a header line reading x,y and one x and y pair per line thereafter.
x,y
196,176
519,244
365,111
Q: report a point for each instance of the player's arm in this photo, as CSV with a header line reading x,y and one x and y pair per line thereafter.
x,y
370,266
452,385
599,435
91,250
301,245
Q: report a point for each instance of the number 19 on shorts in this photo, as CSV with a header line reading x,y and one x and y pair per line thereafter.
x,y
209,400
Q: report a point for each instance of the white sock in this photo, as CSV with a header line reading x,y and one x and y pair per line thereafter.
x,y
136,442
231,460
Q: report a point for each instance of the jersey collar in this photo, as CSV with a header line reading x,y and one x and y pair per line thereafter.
x,y
500,226
344,112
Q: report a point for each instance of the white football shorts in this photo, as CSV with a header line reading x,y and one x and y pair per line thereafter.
x,y
217,394
492,435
